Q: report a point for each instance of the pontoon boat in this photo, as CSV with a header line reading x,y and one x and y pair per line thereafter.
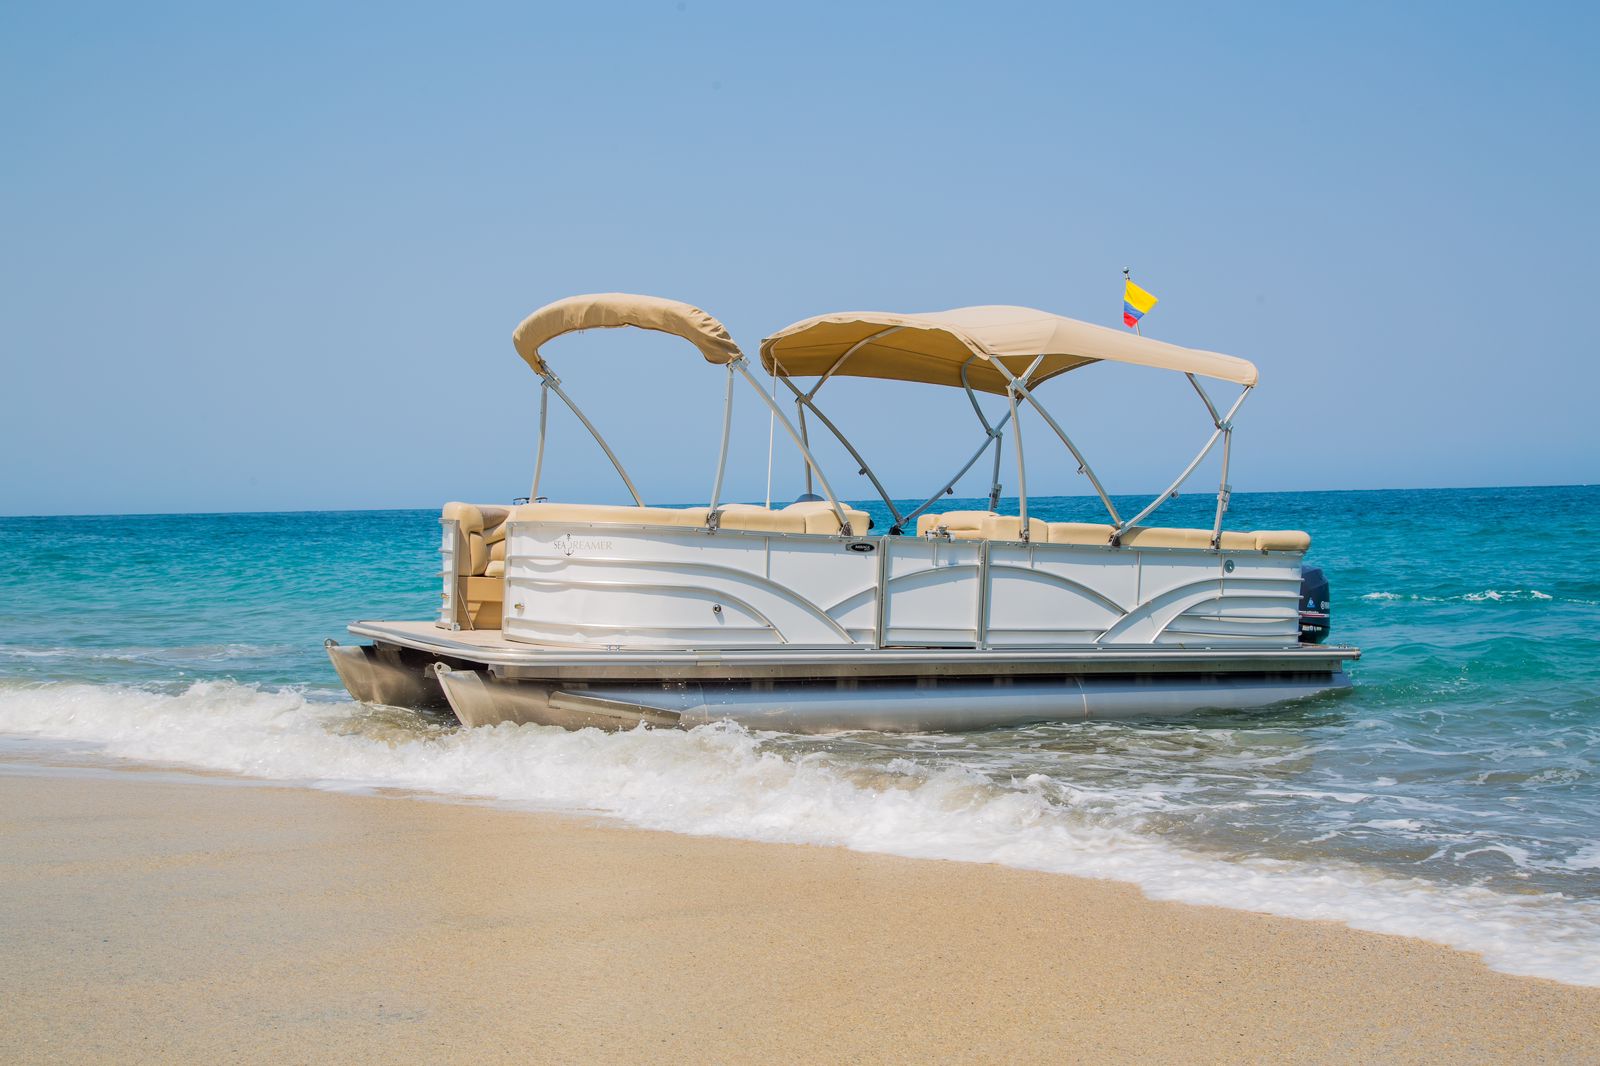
x,y
804,618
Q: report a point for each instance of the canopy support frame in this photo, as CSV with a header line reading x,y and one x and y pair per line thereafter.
x,y
1224,490
1224,426
739,364
1015,384
1022,467
722,452
803,401
555,386
538,457
991,431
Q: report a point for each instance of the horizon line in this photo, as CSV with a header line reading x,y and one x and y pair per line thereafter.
x,y
1058,496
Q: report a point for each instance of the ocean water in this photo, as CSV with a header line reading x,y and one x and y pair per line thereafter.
x,y
1452,794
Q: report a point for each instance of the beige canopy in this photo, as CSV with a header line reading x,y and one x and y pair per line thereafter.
x,y
932,347
608,310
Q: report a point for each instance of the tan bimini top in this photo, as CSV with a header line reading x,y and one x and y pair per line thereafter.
x,y
932,347
609,310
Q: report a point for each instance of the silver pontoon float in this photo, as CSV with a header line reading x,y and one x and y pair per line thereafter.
x,y
803,619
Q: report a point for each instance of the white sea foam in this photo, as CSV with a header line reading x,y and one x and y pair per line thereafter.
x,y
721,780
1483,596
1587,858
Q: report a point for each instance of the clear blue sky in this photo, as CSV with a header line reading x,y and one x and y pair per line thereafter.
x,y
269,256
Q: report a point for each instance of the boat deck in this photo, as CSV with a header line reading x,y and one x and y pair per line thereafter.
x,y
511,660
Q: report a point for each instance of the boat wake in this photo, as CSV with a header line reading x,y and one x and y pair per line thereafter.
x,y
722,780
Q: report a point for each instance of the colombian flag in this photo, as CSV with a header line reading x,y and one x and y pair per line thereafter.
x,y
1135,302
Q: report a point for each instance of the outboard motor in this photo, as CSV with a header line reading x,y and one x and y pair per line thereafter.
x,y
1315,607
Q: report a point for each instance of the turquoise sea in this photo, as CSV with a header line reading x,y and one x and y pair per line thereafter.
x,y
1452,794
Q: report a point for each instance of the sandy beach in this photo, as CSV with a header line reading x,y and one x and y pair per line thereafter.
x,y
150,917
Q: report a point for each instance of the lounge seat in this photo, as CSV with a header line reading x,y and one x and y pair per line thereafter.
x,y
820,517
1009,527
1281,540
986,525
482,590
1078,533
812,516
957,525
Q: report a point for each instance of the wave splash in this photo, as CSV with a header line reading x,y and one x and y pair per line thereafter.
x,y
722,780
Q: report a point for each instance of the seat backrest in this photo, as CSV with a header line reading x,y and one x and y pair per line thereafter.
x,y
820,517
1009,527
475,592
809,517
960,525
1079,533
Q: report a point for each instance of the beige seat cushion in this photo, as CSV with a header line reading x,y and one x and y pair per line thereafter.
x,y
960,525
1280,540
609,514
810,517
484,527
820,517
477,554
494,519
1009,527
1163,537
469,515
1241,542
754,517
496,568
1078,533
1166,537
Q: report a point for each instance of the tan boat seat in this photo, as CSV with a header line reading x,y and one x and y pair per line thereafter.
x,y
959,525
1281,540
1078,533
820,517
609,514
1165,537
1261,540
808,517
986,525
483,527
478,518
753,516
1009,527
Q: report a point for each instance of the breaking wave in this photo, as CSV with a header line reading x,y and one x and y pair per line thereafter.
x,y
722,780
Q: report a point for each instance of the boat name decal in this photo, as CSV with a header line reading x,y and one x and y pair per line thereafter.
x,y
569,544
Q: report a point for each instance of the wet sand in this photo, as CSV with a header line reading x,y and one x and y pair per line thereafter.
x,y
154,918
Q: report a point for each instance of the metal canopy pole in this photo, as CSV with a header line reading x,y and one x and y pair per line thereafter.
x,y
992,432
794,434
555,387
804,401
992,435
948,485
1224,491
1225,424
1022,467
1215,418
722,453
1015,384
994,485
538,459
848,352
804,439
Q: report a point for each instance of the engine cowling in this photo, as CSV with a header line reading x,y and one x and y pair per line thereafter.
x,y
1316,606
